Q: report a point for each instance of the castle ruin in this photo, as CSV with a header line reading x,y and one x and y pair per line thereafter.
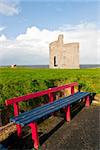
x,y
64,55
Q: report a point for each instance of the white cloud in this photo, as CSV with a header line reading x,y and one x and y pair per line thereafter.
x,y
32,47
8,8
2,28
3,38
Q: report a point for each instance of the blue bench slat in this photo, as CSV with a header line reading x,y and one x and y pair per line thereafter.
x,y
51,107
29,115
38,109
36,118
41,108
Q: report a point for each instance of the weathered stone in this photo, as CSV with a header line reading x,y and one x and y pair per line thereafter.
x,y
63,55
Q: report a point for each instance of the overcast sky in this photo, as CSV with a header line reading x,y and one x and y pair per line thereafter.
x,y
28,26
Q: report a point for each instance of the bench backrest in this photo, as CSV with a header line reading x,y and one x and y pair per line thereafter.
x,y
48,92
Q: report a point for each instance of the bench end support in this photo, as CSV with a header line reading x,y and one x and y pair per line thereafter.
x,y
34,134
87,101
19,130
68,115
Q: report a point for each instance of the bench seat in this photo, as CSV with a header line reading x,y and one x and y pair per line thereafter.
x,y
36,114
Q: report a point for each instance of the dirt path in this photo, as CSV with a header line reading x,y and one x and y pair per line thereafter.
x,y
82,133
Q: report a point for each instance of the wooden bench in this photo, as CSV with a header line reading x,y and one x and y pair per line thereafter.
x,y
30,118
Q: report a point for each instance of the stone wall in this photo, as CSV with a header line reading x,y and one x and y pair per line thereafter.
x,y
63,55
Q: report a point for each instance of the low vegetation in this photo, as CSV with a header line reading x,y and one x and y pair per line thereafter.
x,y
19,81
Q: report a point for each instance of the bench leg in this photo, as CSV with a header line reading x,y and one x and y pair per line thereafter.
x,y
87,101
68,115
34,134
19,130
72,90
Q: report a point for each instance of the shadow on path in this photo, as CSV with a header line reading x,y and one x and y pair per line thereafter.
x,y
13,142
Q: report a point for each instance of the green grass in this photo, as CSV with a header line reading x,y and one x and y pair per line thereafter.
x,y
19,81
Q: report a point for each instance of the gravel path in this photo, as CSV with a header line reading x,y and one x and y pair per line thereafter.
x,y
82,133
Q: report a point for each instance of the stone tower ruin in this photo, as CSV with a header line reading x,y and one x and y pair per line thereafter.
x,y
64,55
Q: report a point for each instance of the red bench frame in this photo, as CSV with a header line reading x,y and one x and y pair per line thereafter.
x,y
48,92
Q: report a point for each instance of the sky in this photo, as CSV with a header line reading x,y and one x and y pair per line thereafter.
x,y
28,26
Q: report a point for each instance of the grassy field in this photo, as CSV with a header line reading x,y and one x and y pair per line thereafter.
x,y
19,81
